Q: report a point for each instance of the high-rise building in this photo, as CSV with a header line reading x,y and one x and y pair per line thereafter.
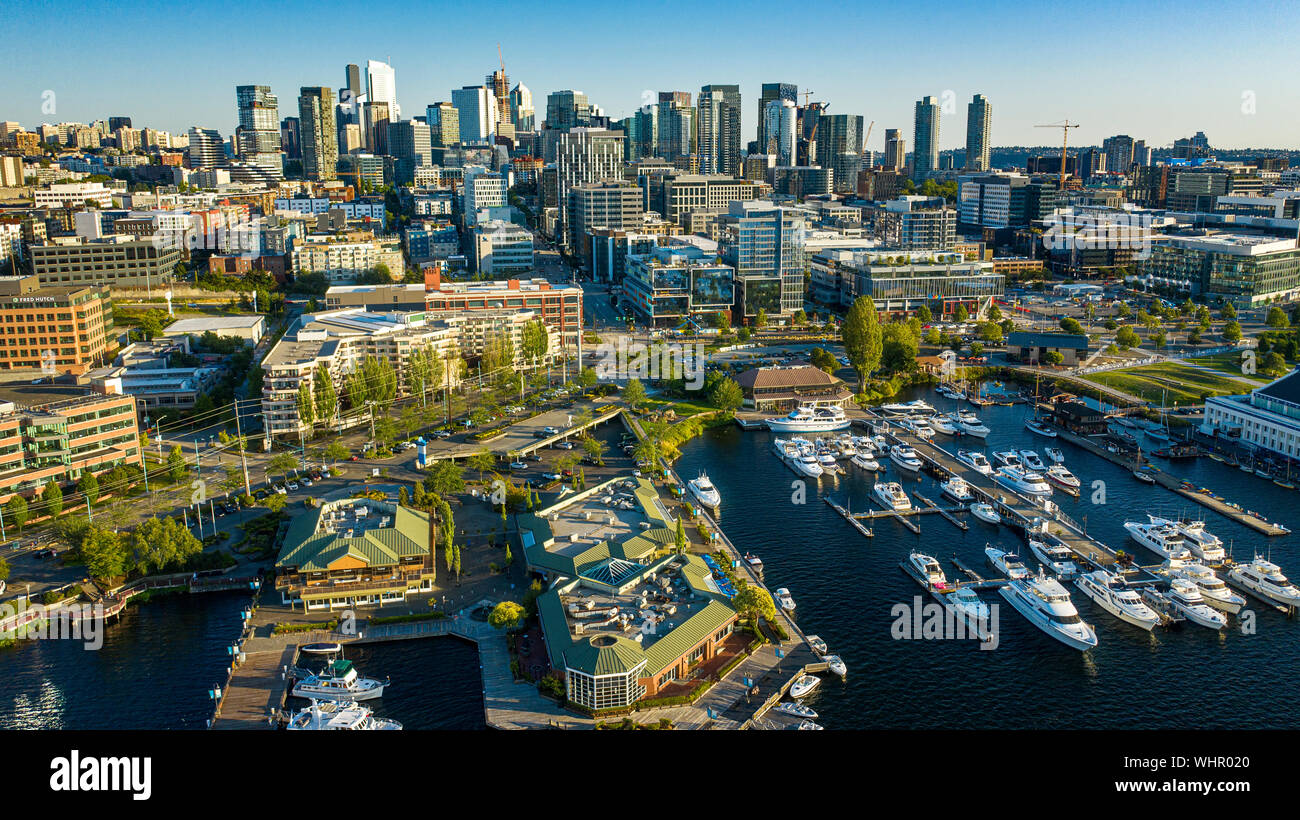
x,y
353,80
320,147
895,150
925,138
770,92
259,128
378,115
979,122
779,121
444,124
206,149
765,244
838,134
381,86
718,131
610,204
677,133
521,108
291,137
482,189
476,107
115,123
500,85
584,155
567,109
1119,153
409,145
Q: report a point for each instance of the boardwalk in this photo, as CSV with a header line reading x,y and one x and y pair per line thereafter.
x,y
256,691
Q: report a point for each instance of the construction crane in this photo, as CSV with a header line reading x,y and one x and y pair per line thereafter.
x,y
1065,140
812,138
867,139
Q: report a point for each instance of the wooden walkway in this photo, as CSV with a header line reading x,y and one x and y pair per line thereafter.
x,y
256,692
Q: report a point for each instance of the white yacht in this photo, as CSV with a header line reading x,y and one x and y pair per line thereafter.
x,y
957,489
908,408
1035,426
864,459
796,709
891,495
808,725
1110,593
779,445
1005,562
704,491
1063,478
1265,579
804,685
1007,458
339,681
945,425
1055,556
784,599
1031,459
880,443
333,715
1186,600
810,419
973,427
1204,545
1055,454
1046,605
927,570
802,461
968,606
905,457
836,665
1017,478
1160,538
975,460
827,461
985,512
1216,593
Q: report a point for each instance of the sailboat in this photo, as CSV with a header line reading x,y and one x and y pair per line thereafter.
x,y
1160,433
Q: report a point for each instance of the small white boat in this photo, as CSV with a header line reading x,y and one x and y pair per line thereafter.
x,y
1007,458
985,512
808,725
804,685
1063,478
1204,545
1006,562
927,571
797,709
975,460
1037,427
892,496
1055,556
1160,538
836,664
947,426
908,407
905,457
864,460
1187,601
817,644
811,419
1144,477
339,681
754,561
1031,459
323,648
970,609
1022,480
336,716
1055,454
957,489
704,491
784,599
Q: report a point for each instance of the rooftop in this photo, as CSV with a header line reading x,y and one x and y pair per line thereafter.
x,y
213,323
374,533
778,377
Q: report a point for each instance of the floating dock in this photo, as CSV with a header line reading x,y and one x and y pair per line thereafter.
x,y
848,516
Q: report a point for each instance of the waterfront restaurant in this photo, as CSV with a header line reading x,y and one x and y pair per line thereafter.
x,y
779,389
355,552
624,617
1032,347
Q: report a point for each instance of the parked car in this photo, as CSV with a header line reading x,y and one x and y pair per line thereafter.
x,y
550,431
441,434
564,445
518,465
292,486
552,476
355,458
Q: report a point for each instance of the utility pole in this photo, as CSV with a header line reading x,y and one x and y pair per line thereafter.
x,y
239,442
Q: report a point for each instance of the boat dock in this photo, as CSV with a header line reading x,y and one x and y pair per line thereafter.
x,y
848,516
948,514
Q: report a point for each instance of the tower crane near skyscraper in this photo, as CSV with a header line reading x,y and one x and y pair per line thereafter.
x,y
1065,141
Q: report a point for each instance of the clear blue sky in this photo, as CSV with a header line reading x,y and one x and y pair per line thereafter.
x,y
1155,70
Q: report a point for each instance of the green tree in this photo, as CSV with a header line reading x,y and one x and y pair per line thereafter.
x,y
587,378
1227,312
1122,309
159,544
925,314
753,603
634,393
760,319
505,615
595,449
445,478
16,511
994,313
962,314
104,554
52,499
306,405
899,347
1053,357
679,536
1232,331
481,462
1273,364
863,337
323,395
88,486
177,469
991,332
282,464
335,451
1127,338
1160,341
799,319
1277,318
1071,325
726,395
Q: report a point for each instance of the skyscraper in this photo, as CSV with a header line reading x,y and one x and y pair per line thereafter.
x,y
567,109
838,134
521,108
925,138
779,120
677,133
205,150
320,147
979,123
408,142
500,85
378,115
259,128
719,129
770,92
895,150
381,86
444,124
1119,152
352,80
476,107
585,155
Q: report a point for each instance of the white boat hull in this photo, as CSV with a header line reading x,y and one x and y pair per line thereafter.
x,y
1083,640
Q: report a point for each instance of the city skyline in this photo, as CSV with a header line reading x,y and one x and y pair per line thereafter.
x,y
1204,81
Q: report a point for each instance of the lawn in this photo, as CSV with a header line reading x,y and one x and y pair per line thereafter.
x,y
1179,385
1228,363
681,407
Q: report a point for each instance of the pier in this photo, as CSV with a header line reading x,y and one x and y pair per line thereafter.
x,y
848,516
946,513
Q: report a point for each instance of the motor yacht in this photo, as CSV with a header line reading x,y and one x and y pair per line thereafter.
x,y
927,571
779,445
1017,478
1160,538
879,443
973,427
333,715
905,457
975,460
1063,478
1007,458
810,419
945,425
1185,598
1055,556
1204,545
704,491
985,512
1055,454
970,609
836,665
1030,459
784,599
1008,563
891,496
339,681
1037,427
1110,593
1046,605
796,709
908,407
827,461
803,461
804,685
1215,592
865,460
1265,579
754,561
957,489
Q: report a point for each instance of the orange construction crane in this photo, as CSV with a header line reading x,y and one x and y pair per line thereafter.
x,y
1065,140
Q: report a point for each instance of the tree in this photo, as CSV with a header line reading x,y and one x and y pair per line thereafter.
x,y
800,318
505,615
1277,318
679,537
1053,357
1273,364
962,314
323,395
282,463
177,469
1227,312
535,341
595,449
335,451
1122,309
306,405
991,332
163,543
634,393
482,462
1071,325
727,395
274,502
754,602
899,347
52,498
863,338
760,319
743,334
994,313
16,511
104,554
587,378
89,487
925,314
1232,331
445,478
1126,338
824,360
1160,340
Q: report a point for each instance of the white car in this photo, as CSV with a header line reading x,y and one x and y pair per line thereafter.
x,y
552,476
279,489
564,445
518,465
293,486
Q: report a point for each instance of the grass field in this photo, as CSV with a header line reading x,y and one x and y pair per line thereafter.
x,y
1180,385
1230,364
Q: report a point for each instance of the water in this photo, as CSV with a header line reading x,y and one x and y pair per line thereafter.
x,y
845,586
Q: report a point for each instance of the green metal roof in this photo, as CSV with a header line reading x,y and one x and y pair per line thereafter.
x,y
681,638
604,654
311,551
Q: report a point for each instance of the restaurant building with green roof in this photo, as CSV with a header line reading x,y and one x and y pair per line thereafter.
x,y
355,552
